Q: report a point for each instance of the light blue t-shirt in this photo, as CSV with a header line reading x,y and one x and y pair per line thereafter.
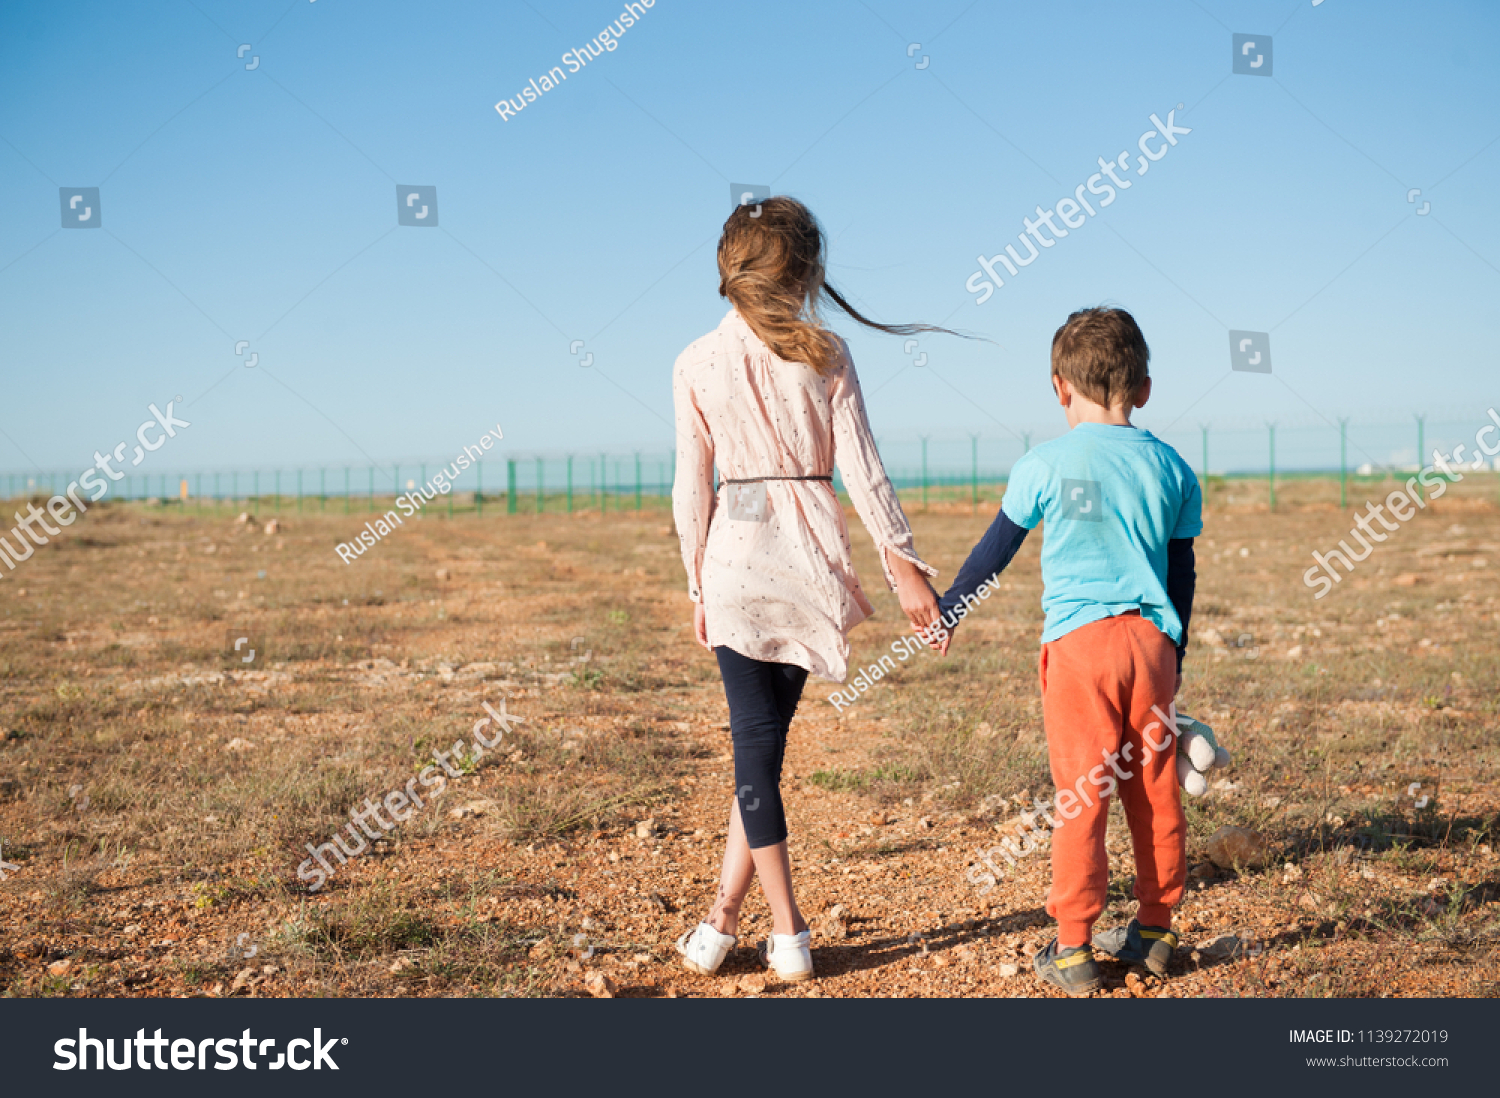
x,y
1111,498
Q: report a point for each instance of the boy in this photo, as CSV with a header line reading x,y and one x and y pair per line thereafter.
x,y
1121,511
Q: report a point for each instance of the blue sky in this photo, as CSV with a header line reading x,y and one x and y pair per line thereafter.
x,y
260,205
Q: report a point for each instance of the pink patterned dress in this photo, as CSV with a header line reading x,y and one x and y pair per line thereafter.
x,y
770,560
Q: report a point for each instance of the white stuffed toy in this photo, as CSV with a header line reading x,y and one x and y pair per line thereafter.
x,y
1197,753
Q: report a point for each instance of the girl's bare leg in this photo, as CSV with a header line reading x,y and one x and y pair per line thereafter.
x,y
737,875
775,869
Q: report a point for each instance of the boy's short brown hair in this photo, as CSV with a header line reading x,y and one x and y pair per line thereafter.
x,y
1102,354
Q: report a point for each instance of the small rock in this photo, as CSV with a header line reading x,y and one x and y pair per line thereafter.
x,y
238,744
242,980
273,527
400,965
1225,946
599,985
1308,900
1007,971
245,518
646,829
1203,871
1291,872
59,968
589,924
939,961
1407,579
752,983
1232,846
443,573
837,911
924,824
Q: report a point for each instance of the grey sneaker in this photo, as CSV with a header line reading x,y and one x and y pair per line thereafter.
x,y
1135,944
1074,969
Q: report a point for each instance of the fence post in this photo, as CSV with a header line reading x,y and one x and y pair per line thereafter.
x,y
1343,463
372,489
539,486
570,484
322,489
346,489
974,473
479,491
1204,428
924,472
638,480
1421,450
299,490
1272,479
510,486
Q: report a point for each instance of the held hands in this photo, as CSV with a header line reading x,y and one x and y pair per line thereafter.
x,y
919,602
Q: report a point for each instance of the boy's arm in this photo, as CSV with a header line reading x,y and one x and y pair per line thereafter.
x,y
989,557
1182,578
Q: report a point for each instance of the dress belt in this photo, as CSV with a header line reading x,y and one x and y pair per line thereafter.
x,y
757,480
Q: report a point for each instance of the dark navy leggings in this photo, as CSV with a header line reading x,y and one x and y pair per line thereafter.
x,y
762,699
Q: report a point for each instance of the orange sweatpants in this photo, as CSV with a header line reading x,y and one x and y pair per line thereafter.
x,y
1099,683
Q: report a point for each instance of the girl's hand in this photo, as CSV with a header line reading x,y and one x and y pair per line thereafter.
x,y
919,602
700,625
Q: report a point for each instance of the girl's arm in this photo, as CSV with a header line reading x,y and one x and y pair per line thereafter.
x,y
693,496
875,499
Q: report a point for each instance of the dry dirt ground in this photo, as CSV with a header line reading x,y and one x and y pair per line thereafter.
x,y
158,795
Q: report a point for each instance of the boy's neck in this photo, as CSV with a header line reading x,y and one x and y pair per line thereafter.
x,y
1086,411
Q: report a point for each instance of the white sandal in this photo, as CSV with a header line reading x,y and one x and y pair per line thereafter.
x,y
788,955
703,949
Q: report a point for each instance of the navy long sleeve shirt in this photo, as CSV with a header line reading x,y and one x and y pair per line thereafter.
x,y
998,546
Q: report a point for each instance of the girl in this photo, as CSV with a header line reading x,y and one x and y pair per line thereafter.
x,y
772,399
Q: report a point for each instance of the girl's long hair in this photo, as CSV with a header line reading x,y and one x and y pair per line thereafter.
x,y
771,268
